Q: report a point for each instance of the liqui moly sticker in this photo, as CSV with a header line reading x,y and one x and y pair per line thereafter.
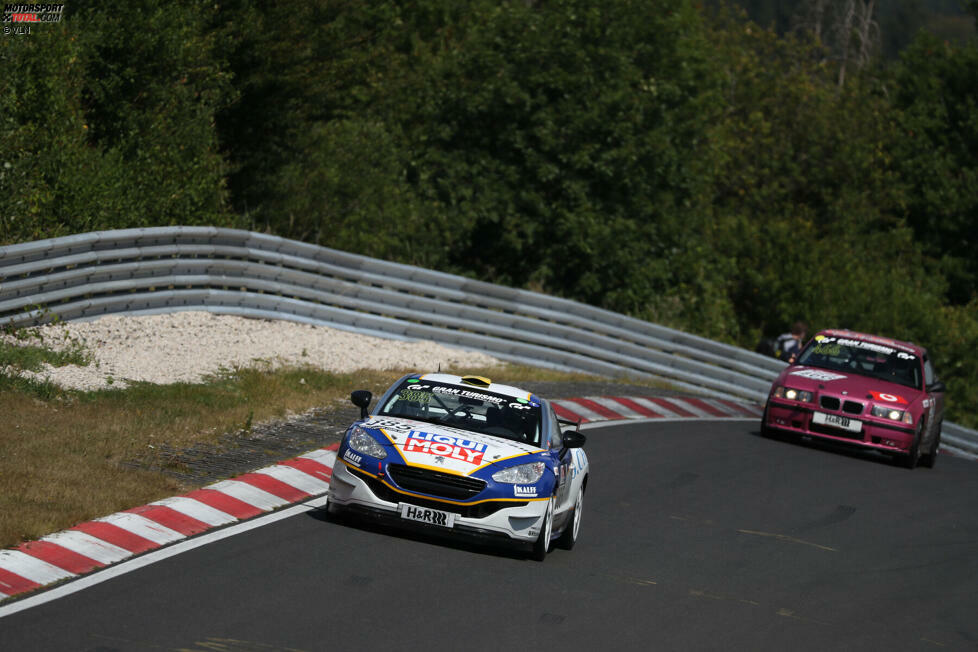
x,y
817,374
455,448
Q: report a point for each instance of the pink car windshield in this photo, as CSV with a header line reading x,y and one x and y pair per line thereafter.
x,y
855,356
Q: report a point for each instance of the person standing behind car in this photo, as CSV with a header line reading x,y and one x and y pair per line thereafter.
x,y
788,345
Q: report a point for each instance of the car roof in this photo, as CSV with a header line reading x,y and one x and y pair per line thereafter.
x,y
908,347
479,382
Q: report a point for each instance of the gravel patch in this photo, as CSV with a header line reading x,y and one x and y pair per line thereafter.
x,y
190,346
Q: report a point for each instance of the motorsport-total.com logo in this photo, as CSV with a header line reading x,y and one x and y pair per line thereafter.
x,y
20,18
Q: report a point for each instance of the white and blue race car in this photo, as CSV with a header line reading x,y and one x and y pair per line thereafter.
x,y
463,455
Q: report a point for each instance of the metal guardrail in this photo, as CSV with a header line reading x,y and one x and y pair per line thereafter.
x,y
168,269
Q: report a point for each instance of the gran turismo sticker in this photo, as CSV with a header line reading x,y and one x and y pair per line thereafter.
x,y
816,374
457,391
828,344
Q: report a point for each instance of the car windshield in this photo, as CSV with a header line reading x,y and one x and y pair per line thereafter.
x,y
467,408
863,358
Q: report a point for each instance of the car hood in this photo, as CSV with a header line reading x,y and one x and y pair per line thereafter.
x,y
443,448
839,383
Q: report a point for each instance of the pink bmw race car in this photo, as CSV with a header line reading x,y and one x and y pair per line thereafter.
x,y
861,389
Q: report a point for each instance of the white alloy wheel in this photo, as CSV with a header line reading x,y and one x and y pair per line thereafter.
x,y
569,536
542,544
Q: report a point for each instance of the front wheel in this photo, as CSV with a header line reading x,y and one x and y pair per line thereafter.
x,y
765,431
912,456
930,458
569,536
334,513
542,545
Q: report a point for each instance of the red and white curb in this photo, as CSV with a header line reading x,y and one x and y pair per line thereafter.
x,y
94,545
606,408
105,541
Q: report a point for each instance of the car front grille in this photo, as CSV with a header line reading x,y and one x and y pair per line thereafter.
x,y
829,402
435,483
834,403
478,510
852,407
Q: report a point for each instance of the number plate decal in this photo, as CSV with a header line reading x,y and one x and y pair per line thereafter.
x,y
427,515
836,421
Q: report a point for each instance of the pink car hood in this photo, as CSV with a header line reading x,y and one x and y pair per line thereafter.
x,y
839,383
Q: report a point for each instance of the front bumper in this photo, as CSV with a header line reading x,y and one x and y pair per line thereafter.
x,y
356,493
874,433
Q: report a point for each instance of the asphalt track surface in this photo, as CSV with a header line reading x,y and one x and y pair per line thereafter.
x,y
697,535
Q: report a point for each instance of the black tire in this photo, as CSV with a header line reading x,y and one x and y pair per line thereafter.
x,y
542,545
334,513
912,457
765,431
930,459
569,536
775,433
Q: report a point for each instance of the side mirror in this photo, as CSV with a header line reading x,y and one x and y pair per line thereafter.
x,y
573,439
361,398
937,386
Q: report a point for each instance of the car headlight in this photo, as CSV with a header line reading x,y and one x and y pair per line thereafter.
x,y
522,474
893,414
793,394
362,442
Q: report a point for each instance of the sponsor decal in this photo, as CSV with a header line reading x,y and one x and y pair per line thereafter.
x,y
424,515
816,374
467,393
388,424
889,398
827,344
352,458
524,492
415,395
446,446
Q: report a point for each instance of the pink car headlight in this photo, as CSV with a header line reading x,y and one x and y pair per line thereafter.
x,y
793,394
884,412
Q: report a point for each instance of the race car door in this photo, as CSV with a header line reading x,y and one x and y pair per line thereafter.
x,y
562,464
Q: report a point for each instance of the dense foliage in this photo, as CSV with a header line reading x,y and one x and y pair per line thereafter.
x,y
680,164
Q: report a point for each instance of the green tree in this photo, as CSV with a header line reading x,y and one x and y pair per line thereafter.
x,y
566,138
43,139
935,101
108,122
808,200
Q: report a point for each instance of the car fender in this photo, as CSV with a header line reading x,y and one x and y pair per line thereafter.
x,y
578,470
